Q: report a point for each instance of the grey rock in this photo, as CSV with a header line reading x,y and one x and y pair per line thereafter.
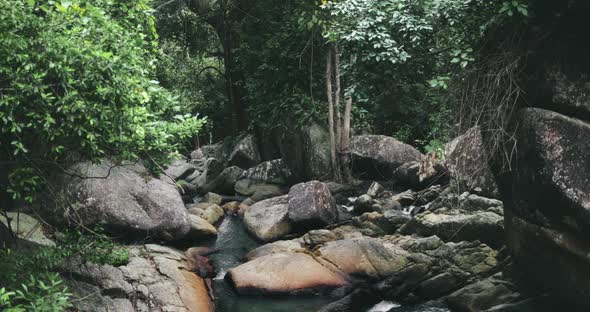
x,y
375,189
225,182
180,169
245,154
548,217
466,159
269,172
312,204
155,279
27,228
481,226
363,203
126,200
306,151
377,156
197,154
268,220
248,187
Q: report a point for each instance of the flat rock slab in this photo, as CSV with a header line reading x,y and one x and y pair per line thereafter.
x,y
284,273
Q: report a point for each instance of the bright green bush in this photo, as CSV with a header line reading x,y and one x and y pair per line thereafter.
x,y
77,81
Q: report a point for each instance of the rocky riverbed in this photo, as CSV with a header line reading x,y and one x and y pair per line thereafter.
x,y
246,237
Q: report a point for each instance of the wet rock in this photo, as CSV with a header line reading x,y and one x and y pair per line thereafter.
x,y
465,158
377,156
127,201
312,205
245,154
268,220
284,273
363,203
483,226
358,300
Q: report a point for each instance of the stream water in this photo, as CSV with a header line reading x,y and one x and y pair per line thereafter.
x,y
233,243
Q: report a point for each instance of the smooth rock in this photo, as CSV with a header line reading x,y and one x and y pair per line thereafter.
x,y
268,220
200,228
212,214
364,257
126,201
284,273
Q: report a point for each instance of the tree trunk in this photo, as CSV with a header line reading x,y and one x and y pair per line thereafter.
x,y
337,95
345,144
333,159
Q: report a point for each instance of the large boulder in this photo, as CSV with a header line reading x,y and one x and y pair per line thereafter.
x,y
269,172
547,203
364,257
284,273
465,156
306,151
484,226
155,279
268,220
311,204
245,153
377,156
123,198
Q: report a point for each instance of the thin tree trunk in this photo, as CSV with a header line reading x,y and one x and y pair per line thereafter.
x,y
333,159
337,95
345,144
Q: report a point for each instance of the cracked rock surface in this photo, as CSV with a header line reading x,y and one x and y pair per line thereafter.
x,y
156,278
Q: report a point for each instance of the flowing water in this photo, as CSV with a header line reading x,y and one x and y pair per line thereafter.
x,y
233,243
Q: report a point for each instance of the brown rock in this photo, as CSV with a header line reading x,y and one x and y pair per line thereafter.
x,y
284,273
